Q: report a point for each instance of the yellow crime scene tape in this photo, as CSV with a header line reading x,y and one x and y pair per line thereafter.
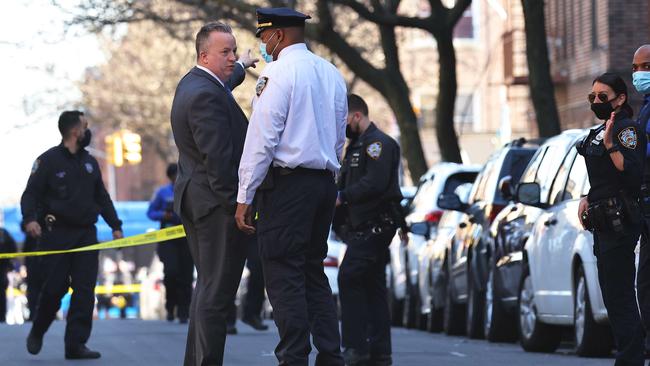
x,y
99,290
157,236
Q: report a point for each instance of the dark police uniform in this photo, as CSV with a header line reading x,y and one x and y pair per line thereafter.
x,y
65,194
643,274
178,266
614,216
369,189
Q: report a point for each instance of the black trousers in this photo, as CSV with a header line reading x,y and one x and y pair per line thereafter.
x,y
62,271
365,317
295,217
218,252
643,279
254,299
616,274
178,269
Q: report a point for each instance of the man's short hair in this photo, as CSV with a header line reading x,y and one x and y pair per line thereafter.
x,y
69,120
357,104
204,34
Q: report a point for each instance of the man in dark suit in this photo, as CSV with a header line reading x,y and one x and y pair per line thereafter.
x,y
209,129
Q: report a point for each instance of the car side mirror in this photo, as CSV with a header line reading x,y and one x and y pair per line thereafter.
x,y
450,201
528,193
420,228
505,187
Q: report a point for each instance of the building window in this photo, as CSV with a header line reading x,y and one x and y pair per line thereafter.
x,y
594,25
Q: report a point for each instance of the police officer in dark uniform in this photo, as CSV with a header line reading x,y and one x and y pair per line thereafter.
x,y
614,153
641,81
367,217
64,195
178,266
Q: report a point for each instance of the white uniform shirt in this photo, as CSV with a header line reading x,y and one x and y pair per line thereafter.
x,y
298,120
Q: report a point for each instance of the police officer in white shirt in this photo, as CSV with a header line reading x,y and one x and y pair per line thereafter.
x,y
291,155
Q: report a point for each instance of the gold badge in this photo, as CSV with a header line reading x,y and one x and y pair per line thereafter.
x,y
627,138
261,84
374,150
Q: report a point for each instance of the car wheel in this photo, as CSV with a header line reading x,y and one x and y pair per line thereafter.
x,y
454,314
592,339
395,305
474,321
534,335
498,325
435,318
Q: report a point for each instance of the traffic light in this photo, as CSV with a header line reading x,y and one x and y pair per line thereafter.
x,y
132,147
114,149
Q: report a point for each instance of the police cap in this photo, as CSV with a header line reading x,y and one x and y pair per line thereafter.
x,y
278,18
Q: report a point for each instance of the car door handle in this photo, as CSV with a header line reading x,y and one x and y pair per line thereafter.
x,y
550,222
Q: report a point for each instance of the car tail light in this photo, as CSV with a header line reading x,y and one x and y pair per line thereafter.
x,y
493,211
330,261
433,217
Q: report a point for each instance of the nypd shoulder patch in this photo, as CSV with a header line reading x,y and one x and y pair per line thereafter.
x,y
374,150
627,137
261,84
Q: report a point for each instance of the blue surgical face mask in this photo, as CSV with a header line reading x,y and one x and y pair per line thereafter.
x,y
641,81
265,56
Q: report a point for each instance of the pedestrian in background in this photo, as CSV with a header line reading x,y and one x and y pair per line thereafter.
x,y
294,144
254,299
7,245
34,275
209,129
614,153
178,267
64,195
369,196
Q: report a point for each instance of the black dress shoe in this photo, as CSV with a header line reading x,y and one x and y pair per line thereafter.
x,y
255,323
353,357
34,344
80,353
231,329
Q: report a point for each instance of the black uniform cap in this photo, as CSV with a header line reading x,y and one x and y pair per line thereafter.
x,y
278,18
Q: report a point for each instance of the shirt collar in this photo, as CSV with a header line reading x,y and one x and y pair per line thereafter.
x,y
211,73
293,47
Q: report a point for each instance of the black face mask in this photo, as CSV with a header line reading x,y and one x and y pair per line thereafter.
x,y
602,110
85,139
349,133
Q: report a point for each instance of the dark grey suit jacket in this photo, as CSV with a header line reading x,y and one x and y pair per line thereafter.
x,y
209,129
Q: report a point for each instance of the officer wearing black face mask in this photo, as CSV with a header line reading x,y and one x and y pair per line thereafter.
x,y
64,195
614,153
367,217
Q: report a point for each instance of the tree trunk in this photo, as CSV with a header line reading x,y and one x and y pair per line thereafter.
x,y
542,90
397,96
447,139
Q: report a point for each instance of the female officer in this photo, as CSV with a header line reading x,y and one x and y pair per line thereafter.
x,y
614,153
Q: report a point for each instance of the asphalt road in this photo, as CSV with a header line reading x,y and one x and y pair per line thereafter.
x,y
157,343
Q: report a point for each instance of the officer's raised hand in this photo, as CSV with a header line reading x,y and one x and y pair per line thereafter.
x,y
248,60
117,234
608,131
33,229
